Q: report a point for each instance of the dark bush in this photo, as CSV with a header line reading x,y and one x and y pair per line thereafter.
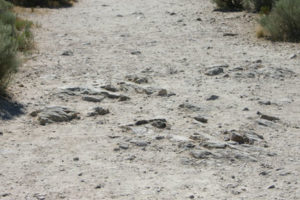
x,y
24,34
263,6
252,5
15,35
283,23
43,3
8,44
229,4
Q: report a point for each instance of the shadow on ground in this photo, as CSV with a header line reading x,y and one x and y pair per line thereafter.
x,y
10,109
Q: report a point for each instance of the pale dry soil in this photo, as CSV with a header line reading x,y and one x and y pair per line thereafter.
x,y
171,44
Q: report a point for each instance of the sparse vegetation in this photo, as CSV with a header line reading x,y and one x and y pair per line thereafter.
x,y
283,23
8,44
263,6
280,18
15,35
252,5
43,3
24,34
229,4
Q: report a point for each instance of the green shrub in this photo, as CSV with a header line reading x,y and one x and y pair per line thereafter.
x,y
252,5
15,35
263,6
8,44
229,4
43,3
24,34
283,23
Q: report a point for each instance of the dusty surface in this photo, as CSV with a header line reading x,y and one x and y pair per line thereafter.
x,y
141,48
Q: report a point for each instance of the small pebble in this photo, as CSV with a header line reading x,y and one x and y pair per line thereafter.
x,y
76,159
99,186
271,187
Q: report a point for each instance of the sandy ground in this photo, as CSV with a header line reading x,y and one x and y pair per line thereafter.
x,y
160,54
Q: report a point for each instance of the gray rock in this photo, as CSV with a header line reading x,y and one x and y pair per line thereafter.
x,y
214,145
236,137
244,157
98,111
264,102
136,53
171,13
76,159
124,98
189,106
1,133
159,137
257,61
67,53
162,92
230,34
212,98
237,69
138,89
39,196
99,186
266,123
110,88
92,99
79,90
141,122
178,138
201,119
139,143
245,137
5,194
187,145
115,96
116,149
271,187
124,146
56,114
214,71
137,79
110,95
131,158
198,137
268,117
252,136
159,123
148,90
200,154
221,65
264,173
186,161
293,56
140,130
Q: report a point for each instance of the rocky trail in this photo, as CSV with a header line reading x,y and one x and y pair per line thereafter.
x,y
161,99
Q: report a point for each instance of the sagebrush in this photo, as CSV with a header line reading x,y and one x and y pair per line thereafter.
x,y
251,5
24,34
283,23
263,6
43,3
229,4
15,35
8,44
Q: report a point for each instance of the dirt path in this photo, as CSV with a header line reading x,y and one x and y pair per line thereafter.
x,y
198,107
